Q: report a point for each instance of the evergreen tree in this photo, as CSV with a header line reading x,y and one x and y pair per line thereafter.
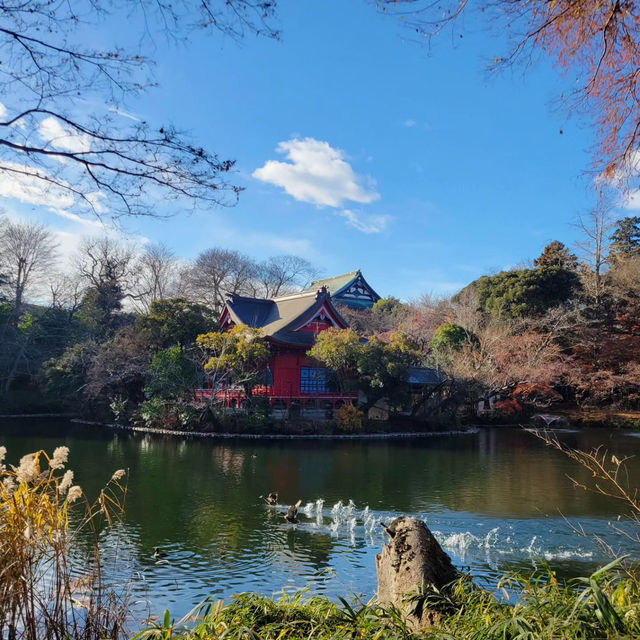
x,y
625,240
526,292
555,254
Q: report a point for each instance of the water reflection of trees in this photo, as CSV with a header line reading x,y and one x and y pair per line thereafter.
x,y
204,494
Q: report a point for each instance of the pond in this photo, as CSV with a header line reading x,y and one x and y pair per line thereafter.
x,y
496,499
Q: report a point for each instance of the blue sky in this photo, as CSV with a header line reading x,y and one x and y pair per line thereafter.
x,y
361,148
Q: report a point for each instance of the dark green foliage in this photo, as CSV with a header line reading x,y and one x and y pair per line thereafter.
x,y
172,375
526,292
160,413
556,255
26,342
66,376
625,240
99,315
175,321
452,337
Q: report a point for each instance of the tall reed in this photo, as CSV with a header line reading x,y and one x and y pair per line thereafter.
x,y
51,582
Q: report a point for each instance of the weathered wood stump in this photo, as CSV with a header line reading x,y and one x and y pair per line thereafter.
x,y
412,560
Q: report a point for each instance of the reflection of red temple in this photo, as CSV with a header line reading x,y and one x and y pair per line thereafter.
x,y
290,325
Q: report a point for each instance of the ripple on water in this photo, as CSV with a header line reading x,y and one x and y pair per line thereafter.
x,y
332,551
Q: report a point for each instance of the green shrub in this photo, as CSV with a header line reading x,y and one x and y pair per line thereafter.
x,y
157,413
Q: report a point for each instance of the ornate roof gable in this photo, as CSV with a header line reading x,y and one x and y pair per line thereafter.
x,y
349,289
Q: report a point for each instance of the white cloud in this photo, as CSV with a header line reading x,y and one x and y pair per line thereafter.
x,y
31,186
632,200
70,241
367,223
53,133
317,173
34,186
94,199
410,123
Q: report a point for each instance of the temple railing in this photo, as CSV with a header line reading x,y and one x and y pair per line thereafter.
x,y
236,398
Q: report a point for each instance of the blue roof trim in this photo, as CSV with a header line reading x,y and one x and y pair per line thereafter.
x,y
355,303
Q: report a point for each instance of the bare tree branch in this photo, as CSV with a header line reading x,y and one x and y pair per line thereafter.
x,y
104,163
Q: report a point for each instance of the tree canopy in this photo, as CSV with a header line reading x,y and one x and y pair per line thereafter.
x,y
377,368
625,239
450,337
525,292
175,321
238,356
556,255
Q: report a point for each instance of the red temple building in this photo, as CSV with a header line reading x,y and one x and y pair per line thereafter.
x,y
290,325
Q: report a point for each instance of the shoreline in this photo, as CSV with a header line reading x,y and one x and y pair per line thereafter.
x,y
37,415
276,436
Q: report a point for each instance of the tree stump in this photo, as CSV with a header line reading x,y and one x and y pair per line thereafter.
x,y
411,560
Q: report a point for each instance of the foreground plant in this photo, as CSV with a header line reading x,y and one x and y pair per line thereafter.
x,y
610,477
50,567
599,606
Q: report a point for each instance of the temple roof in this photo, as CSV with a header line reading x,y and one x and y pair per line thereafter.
x,y
350,289
425,376
335,284
280,318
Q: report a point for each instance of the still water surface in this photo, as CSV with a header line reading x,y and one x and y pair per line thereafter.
x,y
497,499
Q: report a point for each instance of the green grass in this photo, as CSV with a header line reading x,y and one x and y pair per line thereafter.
x,y
603,605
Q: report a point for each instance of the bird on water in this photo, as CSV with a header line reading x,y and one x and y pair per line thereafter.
x,y
272,499
292,515
158,553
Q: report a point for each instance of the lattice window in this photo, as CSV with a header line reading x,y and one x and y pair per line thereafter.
x,y
314,380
